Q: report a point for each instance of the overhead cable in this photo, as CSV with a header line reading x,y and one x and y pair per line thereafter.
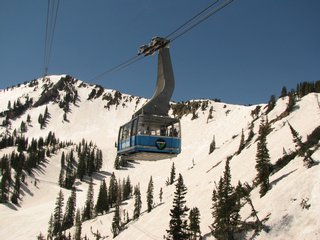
x,y
212,9
52,14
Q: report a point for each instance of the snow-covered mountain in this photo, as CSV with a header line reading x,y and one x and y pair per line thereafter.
x,y
82,111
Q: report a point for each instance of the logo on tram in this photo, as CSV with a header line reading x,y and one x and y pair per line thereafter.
x,y
161,144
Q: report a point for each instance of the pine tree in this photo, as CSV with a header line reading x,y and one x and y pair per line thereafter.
x,y
16,191
50,228
61,177
301,148
81,171
226,206
263,161
127,189
113,190
194,223
70,211
40,237
28,119
210,116
5,180
102,205
160,195
271,104
70,172
41,121
178,223
150,195
117,163
23,127
116,221
88,211
212,145
137,202
284,92
58,215
77,235
242,143
172,174
291,103
98,159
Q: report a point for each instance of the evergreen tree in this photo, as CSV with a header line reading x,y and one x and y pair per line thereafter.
x,y
284,92
178,223
70,211
58,215
172,174
61,177
263,165
116,221
210,116
212,145
194,223
242,143
50,228
226,206
77,235
127,189
117,162
41,237
28,119
302,148
98,159
16,191
137,202
88,211
70,172
113,190
81,171
41,121
160,195
46,114
102,205
23,127
291,103
5,180
150,195
271,104
91,166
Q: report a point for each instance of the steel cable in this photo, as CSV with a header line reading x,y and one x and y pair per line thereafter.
x,y
213,8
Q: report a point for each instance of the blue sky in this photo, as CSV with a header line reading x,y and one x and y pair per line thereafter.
x,y
242,55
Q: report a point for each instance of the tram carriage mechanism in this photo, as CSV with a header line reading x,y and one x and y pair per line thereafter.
x,y
152,134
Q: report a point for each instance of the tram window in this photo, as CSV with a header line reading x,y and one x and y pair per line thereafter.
x,y
174,130
134,127
126,131
120,133
163,130
143,129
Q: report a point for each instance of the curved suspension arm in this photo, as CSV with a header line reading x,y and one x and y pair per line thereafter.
x,y
159,103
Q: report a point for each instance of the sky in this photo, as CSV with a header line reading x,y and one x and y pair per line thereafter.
x,y
242,55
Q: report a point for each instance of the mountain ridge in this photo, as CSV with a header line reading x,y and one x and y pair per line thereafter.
x,y
96,115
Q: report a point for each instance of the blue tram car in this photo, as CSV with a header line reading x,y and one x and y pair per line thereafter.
x,y
150,138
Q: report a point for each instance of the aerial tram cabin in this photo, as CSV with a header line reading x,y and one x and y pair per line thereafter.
x,y
150,138
151,134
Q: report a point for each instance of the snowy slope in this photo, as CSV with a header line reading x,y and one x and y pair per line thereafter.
x,y
92,120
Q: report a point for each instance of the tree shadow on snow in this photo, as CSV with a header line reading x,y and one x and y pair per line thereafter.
x,y
100,175
274,182
11,206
